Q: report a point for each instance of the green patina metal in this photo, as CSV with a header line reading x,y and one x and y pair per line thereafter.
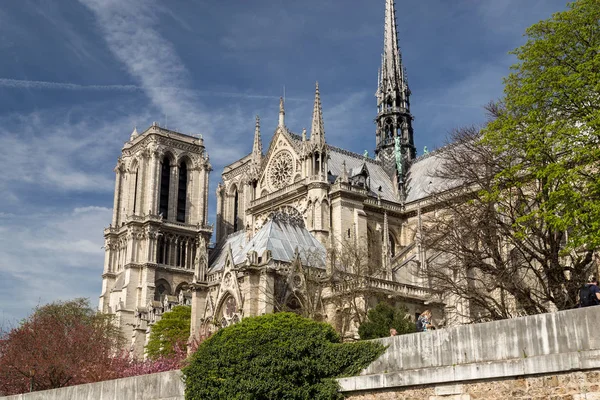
x,y
398,154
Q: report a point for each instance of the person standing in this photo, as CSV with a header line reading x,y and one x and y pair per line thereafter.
x,y
424,321
589,294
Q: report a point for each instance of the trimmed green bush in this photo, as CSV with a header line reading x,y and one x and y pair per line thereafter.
x,y
275,356
383,317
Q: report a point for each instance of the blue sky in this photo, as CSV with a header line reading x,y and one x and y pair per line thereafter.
x,y
77,76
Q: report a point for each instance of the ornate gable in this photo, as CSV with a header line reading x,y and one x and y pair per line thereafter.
x,y
281,166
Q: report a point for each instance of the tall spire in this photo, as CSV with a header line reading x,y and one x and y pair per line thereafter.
x,y
394,135
317,130
281,113
392,71
257,146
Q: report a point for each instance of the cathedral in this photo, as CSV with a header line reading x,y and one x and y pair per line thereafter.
x,y
301,225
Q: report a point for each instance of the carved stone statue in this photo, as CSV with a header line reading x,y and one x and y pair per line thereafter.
x,y
200,261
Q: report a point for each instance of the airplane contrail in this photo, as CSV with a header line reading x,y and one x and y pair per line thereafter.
x,y
31,84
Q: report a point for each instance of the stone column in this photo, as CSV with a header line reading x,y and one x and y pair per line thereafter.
x,y
266,293
205,174
152,183
117,197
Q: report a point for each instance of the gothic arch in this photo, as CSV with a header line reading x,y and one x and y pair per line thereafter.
x,y
325,215
393,243
183,204
165,184
135,184
234,199
228,309
373,249
181,287
294,302
161,289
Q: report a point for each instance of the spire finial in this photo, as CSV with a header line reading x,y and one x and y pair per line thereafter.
x,y
317,131
281,113
257,145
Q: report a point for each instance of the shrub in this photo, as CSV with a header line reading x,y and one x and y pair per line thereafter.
x,y
275,356
170,334
383,317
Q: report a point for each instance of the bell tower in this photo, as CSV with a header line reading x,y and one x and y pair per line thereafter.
x,y
158,230
394,133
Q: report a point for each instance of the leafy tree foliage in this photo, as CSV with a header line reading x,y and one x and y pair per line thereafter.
x,y
384,317
60,344
274,356
519,236
171,333
548,127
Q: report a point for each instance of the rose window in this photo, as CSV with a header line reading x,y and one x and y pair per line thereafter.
x,y
281,170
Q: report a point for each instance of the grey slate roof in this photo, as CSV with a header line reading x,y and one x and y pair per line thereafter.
x,y
354,162
422,180
281,237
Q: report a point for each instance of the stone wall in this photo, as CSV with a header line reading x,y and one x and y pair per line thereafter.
x,y
161,386
568,386
518,358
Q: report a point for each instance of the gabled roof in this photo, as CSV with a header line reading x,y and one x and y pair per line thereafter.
x,y
281,237
355,162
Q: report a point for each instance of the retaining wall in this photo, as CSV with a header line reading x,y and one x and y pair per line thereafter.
x,y
540,345
160,386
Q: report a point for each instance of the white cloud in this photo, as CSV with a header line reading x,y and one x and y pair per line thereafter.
x,y
60,149
128,28
47,256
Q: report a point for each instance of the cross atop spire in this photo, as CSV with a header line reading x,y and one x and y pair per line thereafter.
x,y
317,130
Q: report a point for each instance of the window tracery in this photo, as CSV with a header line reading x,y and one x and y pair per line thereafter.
x,y
281,170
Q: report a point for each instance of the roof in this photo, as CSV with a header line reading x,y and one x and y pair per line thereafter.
x,y
281,237
423,180
354,162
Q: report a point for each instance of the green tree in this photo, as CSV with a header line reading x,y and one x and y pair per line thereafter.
x,y
171,333
275,356
384,317
546,135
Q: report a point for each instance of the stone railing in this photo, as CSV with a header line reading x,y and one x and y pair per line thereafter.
x,y
357,283
350,188
159,219
390,110
271,196
384,205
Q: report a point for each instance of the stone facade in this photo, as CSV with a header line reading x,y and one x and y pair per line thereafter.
x,y
367,212
158,229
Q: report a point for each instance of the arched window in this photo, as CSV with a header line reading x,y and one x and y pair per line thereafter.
x,y
182,192
135,190
392,245
236,199
160,250
165,182
162,289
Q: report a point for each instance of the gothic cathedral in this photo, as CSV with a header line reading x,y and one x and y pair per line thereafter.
x,y
301,225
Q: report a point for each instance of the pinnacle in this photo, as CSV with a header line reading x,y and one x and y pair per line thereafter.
x,y
257,145
317,133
